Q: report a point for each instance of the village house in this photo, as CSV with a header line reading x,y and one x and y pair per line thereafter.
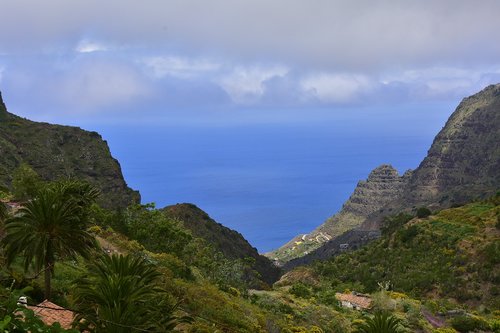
x,y
354,301
50,313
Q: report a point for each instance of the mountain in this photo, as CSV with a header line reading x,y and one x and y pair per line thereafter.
x,y
383,185
462,164
464,160
452,255
56,151
231,243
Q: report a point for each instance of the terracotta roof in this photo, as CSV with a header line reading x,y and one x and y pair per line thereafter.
x,y
50,313
360,301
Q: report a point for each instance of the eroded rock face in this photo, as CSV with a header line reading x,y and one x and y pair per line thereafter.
x,y
463,162
55,151
384,184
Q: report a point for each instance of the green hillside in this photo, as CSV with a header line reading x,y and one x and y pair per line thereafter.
x,y
421,267
229,242
55,151
454,254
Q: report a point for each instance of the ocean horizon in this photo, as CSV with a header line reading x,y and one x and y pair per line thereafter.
x,y
268,181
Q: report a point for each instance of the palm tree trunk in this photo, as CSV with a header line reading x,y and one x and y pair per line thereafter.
x,y
48,275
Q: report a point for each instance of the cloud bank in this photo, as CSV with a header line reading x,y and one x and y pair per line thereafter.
x,y
94,55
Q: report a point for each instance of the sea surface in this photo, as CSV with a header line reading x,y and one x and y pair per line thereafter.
x,y
269,180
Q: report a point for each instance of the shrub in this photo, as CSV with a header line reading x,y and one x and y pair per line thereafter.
x,y
466,324
394,222
492,252
444,330
409,233
423,212
300,290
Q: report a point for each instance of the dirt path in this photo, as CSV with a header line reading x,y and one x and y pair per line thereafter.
x,y
436,322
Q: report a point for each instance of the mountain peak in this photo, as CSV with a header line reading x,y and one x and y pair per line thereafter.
x,y
383,185
383,171
464,159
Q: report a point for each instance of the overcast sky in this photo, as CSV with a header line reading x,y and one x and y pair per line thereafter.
x,y
94,58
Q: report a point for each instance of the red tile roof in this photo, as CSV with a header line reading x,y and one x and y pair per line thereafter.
x,y
360,301
50,313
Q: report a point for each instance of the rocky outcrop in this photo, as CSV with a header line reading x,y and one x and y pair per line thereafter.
x,y
229,242
463,162
384,185
55,151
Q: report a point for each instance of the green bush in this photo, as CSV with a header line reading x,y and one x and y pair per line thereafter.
x,y
409,233
394,223
492,252
466,324
423,212
444,330
300,290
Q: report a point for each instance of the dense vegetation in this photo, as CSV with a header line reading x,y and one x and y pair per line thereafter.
x,y
419,268
55,151
453,254
229,242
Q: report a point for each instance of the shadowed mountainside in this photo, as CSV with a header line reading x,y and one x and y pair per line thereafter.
x,y
56,151
231,243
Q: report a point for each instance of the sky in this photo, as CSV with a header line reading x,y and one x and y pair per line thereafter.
x,y
368,68
128,61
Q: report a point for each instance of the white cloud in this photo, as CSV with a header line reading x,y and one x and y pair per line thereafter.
x,y
82,85
330,35
337,88
443,82
180,67
87,46
245,85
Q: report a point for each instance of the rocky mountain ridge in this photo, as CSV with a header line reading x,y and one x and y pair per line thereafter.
x,y
229,242
462,164
56,151
383,185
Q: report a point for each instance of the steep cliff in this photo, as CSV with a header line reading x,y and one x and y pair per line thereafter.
x,y
462,164
55,151
464,160
231,243
383,186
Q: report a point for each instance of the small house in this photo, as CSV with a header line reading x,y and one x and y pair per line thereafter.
x,y
354,301
51,313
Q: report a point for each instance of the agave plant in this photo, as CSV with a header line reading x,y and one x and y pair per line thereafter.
x,y
381,322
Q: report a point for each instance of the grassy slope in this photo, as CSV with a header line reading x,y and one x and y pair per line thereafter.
x,y
55,151
229,242
449,255
453,254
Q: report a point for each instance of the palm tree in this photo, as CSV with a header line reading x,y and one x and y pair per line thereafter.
x,y
381,322
120,294
48,228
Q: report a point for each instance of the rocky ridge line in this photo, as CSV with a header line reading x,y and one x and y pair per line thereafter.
x,y
384,184
56,151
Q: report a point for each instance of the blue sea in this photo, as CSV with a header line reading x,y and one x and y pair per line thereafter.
x,y
270,179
